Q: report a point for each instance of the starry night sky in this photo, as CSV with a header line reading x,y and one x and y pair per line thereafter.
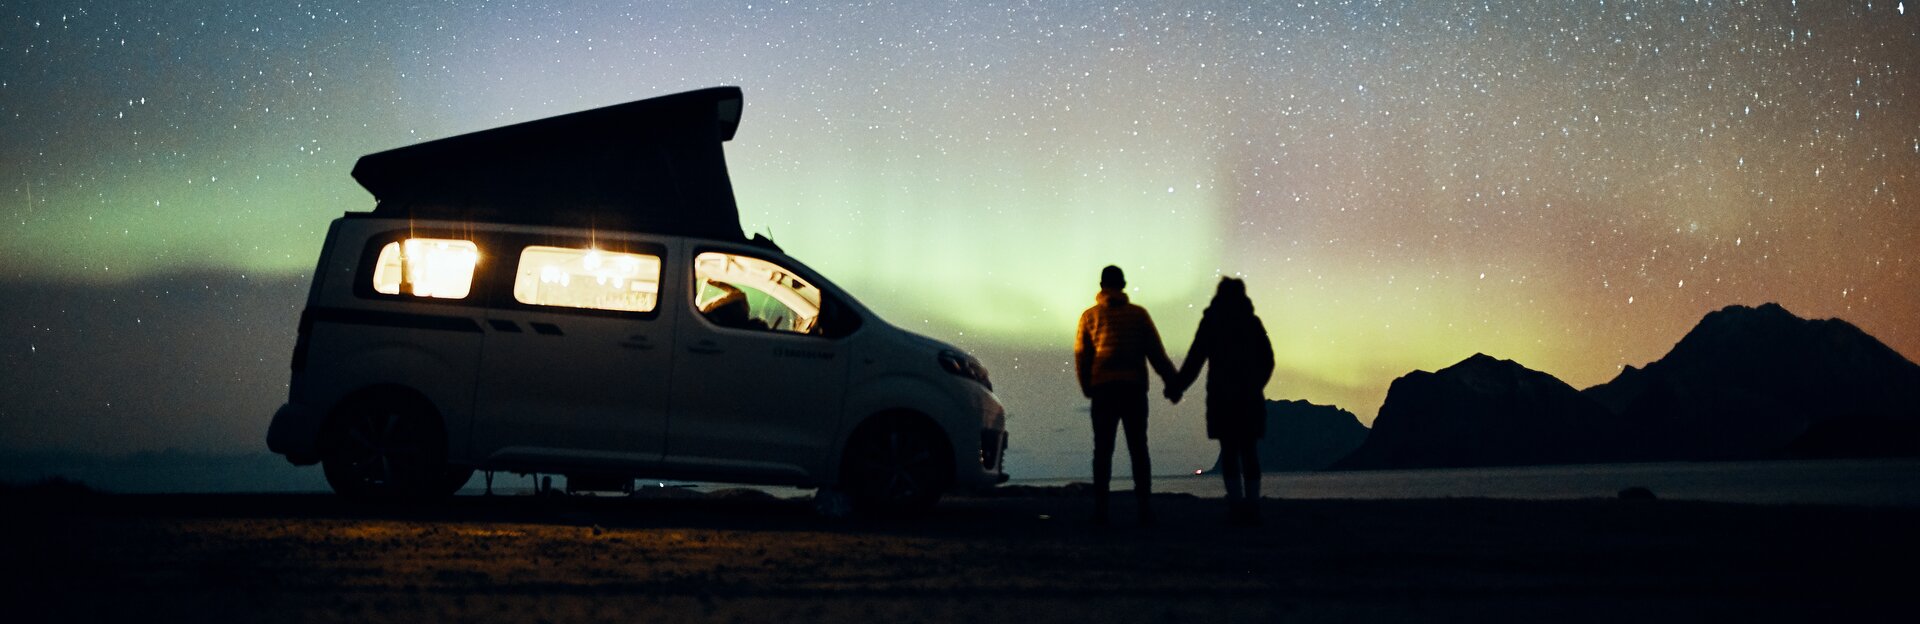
x,y
1402,184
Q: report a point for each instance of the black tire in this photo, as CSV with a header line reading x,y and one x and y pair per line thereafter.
x,y
388,450
896,465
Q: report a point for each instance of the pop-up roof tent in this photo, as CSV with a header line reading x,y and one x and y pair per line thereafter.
x,y
653,165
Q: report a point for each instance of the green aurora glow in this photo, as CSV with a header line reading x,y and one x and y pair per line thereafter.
x,y
1571,188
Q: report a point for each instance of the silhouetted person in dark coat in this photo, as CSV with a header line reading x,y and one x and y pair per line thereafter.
x,y
1114,344
1235,342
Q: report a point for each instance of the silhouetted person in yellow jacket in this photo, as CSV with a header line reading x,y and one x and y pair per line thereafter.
x,y
1115,343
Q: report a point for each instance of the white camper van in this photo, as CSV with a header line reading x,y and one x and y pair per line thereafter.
x,y
573,296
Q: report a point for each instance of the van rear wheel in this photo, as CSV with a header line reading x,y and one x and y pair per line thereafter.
x,y
896,466
388,450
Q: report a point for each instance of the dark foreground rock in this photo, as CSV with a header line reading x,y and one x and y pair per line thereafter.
x,y
315,558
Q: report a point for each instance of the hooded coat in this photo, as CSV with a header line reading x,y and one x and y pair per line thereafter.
x,y
1234,341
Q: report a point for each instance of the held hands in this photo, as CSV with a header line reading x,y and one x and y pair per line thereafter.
x,y
1172,395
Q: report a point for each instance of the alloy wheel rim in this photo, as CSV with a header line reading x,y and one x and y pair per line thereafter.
x,y
899,465
384,448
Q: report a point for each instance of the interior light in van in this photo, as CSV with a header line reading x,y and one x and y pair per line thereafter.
x,y
427,267
587,278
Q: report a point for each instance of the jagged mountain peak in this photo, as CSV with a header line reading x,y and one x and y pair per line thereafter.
x,y
1737,320
1769,325
1745,382
1481,361
1485,373
1768,344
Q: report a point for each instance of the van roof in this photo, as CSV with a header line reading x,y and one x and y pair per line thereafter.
x,y
652,165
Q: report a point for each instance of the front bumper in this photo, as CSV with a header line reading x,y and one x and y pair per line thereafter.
x,y
980,454
295,433
993,452
982,469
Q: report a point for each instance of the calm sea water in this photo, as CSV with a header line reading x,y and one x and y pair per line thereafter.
x,y
1877,482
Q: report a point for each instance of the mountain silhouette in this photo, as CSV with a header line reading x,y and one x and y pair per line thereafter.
x,y
1762,382
1744,383
1483,412
1302,436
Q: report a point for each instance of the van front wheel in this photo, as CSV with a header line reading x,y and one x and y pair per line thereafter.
x,y
385,450
896,465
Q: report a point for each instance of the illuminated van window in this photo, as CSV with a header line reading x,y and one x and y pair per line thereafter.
x,y
426,267
587,278
744,292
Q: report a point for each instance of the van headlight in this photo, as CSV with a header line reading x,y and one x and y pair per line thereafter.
x,y
965,366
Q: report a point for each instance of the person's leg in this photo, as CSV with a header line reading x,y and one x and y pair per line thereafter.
x,y
1105,421
1249,459
1134,418
1250,468
1230,468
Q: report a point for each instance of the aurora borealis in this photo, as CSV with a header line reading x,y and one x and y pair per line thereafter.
x,y
1401,184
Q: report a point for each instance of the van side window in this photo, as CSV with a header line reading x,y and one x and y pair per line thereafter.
x,y
744,292
587,278
441,268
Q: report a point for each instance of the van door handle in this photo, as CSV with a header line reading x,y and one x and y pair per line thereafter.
x,y
637,341
707,347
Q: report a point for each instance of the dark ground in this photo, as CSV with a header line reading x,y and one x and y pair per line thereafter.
x,y
1028,557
